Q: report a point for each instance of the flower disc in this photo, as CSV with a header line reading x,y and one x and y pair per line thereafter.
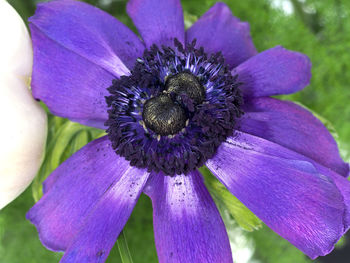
x,y
174,110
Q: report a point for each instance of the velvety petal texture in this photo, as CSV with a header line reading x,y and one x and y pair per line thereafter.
x,y
78,50
90,184
187,224
343,185
287,192
282,163
158,21
70,85
258,144
106,220
90,33
293,127
219,31
273,72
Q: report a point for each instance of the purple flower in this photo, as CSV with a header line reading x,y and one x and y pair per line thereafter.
x,y
171,107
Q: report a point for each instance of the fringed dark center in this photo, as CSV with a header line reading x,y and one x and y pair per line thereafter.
x,y
174,110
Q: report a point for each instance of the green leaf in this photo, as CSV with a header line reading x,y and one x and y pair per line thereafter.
x,y
272,248
123,248
225,200
64,139
189,19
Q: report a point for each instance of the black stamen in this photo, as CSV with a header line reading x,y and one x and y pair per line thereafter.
x,y
163,116
186,83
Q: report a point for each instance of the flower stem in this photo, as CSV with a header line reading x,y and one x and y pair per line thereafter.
x,y
123,248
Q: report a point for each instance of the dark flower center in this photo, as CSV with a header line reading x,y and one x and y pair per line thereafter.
x,y
185,83
163,116
174,110
167,113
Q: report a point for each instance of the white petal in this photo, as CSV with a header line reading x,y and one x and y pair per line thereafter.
x,y
15,46
23,121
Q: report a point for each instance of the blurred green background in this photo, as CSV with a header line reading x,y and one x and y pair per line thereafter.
x,y
320,29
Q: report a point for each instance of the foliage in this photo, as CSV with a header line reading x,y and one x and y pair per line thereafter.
x,y
64,139
226,201
319,29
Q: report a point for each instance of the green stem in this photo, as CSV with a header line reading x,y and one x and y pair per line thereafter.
x,y
309,20
123,248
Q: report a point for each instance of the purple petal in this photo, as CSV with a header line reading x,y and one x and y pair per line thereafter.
x,y
71,86
257,144
290,195
343,185
187,224
273,72
293,127
78,50
106,220
90,33
218,30
158,21
74,188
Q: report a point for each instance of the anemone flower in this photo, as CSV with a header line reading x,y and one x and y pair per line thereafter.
x,y
171,103
23,121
